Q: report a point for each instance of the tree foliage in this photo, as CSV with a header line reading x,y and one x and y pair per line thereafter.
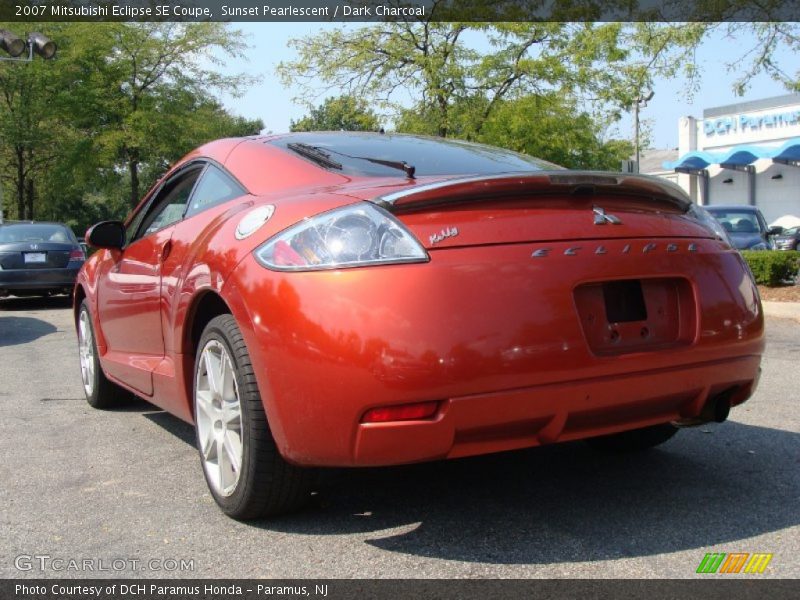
x,y
548,127
344,113
602,65
82,136
434,80
539,87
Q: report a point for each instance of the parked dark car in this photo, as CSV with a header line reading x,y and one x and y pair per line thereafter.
x,y
788,239
38,259
746,226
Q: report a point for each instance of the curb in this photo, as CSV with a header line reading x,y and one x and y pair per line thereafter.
x,y
782,310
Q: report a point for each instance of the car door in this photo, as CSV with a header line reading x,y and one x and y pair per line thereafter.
x,y
129,293
214,188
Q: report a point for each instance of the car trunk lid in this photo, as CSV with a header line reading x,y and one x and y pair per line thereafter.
x,y
39,255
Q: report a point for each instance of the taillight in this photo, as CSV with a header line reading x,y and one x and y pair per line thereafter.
x,y
401,412
353,236
77,254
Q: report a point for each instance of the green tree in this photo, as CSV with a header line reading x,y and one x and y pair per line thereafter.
x,y
556,130
30,134
81,136
547,126
334,114
437,65
771,37
153,68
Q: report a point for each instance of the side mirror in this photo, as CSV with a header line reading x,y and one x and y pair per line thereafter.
x,y
108,234
776,230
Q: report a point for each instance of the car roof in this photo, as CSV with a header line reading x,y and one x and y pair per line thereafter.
x,y
740,207
10,223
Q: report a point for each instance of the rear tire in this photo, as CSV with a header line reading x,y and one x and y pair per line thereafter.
x,y
244,470
100,392
636,440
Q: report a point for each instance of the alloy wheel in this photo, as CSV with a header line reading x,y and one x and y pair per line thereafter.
x,y
86,350
218,416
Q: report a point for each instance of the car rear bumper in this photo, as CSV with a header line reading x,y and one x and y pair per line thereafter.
x,y
560,412
39,279
512,347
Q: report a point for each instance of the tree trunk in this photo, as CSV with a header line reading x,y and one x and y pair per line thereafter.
x,y
29,195
20,182
133,168
443,129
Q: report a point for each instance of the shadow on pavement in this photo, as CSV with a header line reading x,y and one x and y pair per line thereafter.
x,y
35,303
22,330
711,485
180,429
567,503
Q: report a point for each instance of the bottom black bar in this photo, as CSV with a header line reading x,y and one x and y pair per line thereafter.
x,y
746,587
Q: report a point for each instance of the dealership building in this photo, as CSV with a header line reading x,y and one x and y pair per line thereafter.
x,y
747,153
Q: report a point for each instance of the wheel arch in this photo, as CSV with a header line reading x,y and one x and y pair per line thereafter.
x,y
205,306
77,299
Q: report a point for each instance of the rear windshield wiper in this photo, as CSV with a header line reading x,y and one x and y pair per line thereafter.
x,y
323,158
400,165
313,153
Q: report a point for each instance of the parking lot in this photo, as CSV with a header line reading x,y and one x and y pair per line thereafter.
x,y
125,487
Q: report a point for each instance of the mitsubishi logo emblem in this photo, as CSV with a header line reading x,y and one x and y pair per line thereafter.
x,y
601,218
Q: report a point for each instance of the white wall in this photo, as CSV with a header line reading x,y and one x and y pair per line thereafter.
x,y
775,197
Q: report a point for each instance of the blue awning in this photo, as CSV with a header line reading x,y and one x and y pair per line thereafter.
x,y
691,161
789,151
738,156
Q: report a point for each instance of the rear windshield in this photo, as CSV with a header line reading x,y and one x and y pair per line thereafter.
x,y
36,232
354,154
737,221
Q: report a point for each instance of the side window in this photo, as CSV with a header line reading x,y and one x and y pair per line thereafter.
x,y
135,222
214,187
169,205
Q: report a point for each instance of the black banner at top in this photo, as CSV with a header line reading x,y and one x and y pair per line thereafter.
x,y
363,11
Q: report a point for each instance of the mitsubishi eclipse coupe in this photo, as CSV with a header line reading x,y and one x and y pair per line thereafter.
x,y
354,299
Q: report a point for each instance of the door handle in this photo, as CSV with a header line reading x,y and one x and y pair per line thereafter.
x,y
165,250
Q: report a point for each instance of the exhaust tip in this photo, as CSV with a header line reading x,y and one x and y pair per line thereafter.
x,y
717,408
722,408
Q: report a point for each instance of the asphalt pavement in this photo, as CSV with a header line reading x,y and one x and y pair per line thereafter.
x,y
121,492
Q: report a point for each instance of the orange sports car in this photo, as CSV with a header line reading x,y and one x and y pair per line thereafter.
x,y
352,299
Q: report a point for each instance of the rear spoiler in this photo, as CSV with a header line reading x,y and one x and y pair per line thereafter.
x,y
509,185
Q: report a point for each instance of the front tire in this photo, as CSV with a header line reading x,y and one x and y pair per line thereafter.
x,y
245,473
100,392
636,440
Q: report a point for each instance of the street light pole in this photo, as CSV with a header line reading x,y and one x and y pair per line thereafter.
x,y
636,132
641,101
15,47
